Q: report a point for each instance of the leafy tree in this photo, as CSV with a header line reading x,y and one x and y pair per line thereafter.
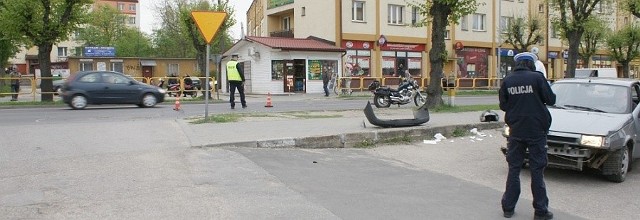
x,y
170,39
43,23
523,33
632,6
623,46
104,26
440,13
595,30
573,16
133,43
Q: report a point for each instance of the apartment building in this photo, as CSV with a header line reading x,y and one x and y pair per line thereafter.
x,y
383,36
27,59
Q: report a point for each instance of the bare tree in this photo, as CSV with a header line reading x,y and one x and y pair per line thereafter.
x,y
521,33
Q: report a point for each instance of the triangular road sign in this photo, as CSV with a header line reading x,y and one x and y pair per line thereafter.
x,y
208,22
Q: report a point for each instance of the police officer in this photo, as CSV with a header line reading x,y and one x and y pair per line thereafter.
x,y
235,75
524,96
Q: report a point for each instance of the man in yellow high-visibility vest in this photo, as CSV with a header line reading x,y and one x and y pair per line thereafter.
x,y
235,76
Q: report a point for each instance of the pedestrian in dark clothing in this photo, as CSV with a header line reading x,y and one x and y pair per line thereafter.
x,y
235,76
524,96
15,83
326,77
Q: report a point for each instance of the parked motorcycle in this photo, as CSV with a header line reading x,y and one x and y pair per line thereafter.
x,y
407,91
189,90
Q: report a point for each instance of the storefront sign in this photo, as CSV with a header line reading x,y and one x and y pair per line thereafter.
x,y
504,52
403,47
382,40
99,52
458,45
552,55
356,45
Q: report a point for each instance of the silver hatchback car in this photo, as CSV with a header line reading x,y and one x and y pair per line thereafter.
x,y
595,124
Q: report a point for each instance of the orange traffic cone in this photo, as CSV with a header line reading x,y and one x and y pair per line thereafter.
x,y
268,105
177,105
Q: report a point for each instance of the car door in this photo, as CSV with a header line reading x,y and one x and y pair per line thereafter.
x,y
635,97
118,88
91,85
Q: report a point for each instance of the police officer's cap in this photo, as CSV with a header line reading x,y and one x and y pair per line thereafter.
x,y
525,56
234,55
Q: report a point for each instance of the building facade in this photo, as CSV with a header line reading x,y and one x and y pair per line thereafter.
x,y
27,59
382,36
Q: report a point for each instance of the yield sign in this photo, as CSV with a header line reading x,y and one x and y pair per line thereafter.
x,y
208,22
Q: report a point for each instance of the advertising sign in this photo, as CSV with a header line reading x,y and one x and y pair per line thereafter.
x,y
99,52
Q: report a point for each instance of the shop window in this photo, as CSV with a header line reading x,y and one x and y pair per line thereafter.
x,y
478,22
86,66
277,69
317,67
396,14
394,62
358,11
358,63
117,67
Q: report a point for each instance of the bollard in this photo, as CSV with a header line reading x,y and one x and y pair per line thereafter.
x,y
452,96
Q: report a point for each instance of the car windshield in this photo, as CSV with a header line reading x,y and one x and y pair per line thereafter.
x,y
592,97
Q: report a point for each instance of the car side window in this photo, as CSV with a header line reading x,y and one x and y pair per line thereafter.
x,y
635,94
89,78
118,79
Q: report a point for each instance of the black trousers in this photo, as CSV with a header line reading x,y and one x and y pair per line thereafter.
x,y
233,85
15,89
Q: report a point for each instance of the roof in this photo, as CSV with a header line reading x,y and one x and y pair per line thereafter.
x,y
299,44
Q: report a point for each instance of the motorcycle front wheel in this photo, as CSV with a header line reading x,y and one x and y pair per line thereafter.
x,y
419,99
382,101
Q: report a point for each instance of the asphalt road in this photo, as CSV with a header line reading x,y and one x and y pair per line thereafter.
x,y
86,165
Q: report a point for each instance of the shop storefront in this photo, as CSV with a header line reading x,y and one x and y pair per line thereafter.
x,y
473,66
358,58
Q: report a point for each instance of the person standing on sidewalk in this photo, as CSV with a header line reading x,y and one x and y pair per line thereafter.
x,y
326,76
15,83
524,96
235,75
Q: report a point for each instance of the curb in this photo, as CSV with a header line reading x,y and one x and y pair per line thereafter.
x,y
357,139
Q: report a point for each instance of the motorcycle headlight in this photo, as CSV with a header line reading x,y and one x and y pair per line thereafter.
x,y
593,141
162,91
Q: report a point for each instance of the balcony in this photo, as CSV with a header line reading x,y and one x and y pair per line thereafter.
x,y
278,3
282,33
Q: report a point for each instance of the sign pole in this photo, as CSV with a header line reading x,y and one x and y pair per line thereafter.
x,y
208,92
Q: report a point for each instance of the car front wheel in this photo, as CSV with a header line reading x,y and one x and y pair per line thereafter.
x,y
618,163
78,102
148,100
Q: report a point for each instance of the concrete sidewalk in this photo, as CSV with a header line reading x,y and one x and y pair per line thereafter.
x,y
349,130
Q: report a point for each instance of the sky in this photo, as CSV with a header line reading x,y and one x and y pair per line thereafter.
x,y
148,18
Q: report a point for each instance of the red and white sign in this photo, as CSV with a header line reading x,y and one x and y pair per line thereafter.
x,y
356,45
403,47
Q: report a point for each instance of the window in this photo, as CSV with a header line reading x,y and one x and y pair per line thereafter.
x,y
415,16
447,35
554,32
358,62
315,68
90,78
304,11
277,69
120,6
62,51
286,25
86,66
463,23
541,8
77,51
393,62
395,14
358,11
505,24
132,7
174,69
117,67
478,22
132,20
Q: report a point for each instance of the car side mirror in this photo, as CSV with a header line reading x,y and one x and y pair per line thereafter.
x,y
131,82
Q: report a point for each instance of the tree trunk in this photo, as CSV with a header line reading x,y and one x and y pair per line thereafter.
x,y
574,46
201,57
625,69
437,54
46,84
